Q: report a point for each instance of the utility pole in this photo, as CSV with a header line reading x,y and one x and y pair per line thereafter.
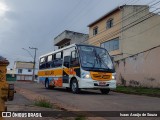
x,y
34,63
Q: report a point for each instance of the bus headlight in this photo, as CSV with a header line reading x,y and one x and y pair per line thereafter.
x,y
85,74
113,76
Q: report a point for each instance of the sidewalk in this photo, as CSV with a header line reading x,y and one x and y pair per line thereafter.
x,y
20,103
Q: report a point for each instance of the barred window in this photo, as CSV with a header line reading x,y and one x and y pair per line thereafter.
x,y
111,45
95,31
109,23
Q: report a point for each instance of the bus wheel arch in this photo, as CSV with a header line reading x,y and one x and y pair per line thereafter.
x,y
74,85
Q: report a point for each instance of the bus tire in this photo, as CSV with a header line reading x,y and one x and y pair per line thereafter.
x,y
68,89
47,86
74,86
104,91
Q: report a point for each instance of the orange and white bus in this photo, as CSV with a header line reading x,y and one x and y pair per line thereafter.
x,y
78,67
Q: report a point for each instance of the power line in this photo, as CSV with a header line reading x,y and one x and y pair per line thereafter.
x,y
142,31
128,16
74,18
123,28
134,1
132,26
28,52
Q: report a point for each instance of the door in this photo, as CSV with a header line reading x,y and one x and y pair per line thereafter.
x,y
66,66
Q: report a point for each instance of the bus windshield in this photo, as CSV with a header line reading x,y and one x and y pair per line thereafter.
x,y
95,58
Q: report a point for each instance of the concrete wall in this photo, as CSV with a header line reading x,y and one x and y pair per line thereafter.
x,y
24,71
142,69
142,36
70,36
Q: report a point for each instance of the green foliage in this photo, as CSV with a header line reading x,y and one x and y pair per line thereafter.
x,y
80,118
42,102
139,90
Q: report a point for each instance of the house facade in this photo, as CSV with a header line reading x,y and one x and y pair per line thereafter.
x,y
10,75
69,37
23,70
131,34
125,31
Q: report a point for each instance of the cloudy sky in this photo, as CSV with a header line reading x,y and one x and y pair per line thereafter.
x,y
35,23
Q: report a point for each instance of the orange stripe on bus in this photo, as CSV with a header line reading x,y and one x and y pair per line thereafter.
x,y
55,72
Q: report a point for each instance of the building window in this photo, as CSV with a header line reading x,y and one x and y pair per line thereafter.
x,y
29,70
95,31
109,23
19,70
111,45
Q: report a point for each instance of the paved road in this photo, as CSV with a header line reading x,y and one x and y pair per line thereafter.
x,y
21,103
95,101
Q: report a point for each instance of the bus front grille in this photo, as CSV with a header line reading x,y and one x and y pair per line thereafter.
x,y
100,77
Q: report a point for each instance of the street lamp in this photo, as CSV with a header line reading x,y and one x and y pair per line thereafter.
x,y
35,49
34,62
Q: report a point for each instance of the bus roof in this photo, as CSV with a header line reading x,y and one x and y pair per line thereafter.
x,y
55,51
72,45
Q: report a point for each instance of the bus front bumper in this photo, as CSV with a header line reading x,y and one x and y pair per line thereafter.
x,y
94,84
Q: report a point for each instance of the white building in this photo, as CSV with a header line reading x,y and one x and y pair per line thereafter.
x,y
23,70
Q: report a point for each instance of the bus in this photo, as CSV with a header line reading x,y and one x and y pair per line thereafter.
x,y
77,67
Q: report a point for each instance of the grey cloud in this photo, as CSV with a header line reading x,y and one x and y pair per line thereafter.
x,y
36,22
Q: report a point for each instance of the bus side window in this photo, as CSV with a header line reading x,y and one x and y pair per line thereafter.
x,y
49,61
52,62
67,61
74,59
42,64
58,59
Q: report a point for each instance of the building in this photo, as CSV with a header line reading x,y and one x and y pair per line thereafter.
x,y
23,70
10,75
131,34
126,30
69,37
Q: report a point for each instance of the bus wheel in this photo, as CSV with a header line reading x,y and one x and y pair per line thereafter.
x,y
104,91
47,84
74,86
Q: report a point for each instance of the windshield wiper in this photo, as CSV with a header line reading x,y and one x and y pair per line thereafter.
x,y
100,60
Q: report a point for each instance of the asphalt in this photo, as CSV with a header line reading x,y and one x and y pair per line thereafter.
x,y
91,100
22,104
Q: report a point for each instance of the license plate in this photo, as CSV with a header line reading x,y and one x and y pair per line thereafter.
x,y
102,83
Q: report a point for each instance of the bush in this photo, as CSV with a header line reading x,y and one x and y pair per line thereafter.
x,y
43,102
